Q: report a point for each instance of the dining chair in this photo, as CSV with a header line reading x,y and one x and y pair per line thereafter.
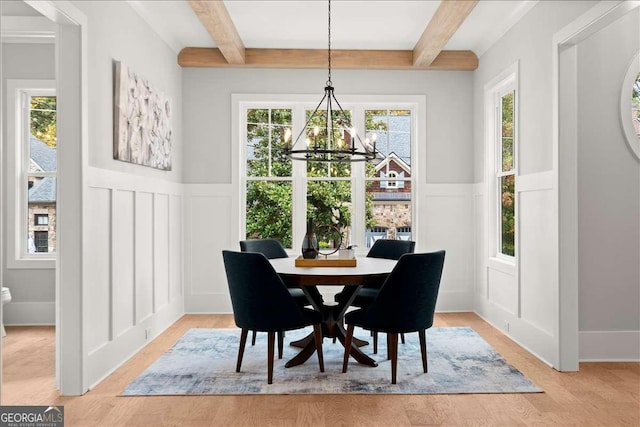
x,y
406,303
261,302
272,248
382,248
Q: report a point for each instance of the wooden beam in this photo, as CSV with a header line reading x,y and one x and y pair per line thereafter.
x,y
455,60
215,18
444,23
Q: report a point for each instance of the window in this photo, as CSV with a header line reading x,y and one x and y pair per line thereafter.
x,y
388,182
40,219
345,200
32,172
506,176
501,142
41,241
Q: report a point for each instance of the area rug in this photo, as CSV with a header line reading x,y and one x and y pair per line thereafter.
x,y
203,361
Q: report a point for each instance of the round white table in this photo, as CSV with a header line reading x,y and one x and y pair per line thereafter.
x,y
352,278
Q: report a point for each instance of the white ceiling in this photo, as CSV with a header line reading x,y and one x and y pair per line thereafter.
x,y
359,24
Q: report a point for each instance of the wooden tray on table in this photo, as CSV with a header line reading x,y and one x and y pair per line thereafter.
x,y
326,262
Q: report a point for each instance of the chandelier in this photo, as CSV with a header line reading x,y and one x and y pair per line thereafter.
x,y
332,138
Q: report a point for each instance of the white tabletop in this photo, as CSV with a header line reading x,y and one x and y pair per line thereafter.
x,y
365,267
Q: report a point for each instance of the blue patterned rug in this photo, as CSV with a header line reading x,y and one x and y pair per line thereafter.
x,y
202,362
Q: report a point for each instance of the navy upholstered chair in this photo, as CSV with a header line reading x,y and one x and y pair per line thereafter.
x,y
272,248
382,248
261,302
406,303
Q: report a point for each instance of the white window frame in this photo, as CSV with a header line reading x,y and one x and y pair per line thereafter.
x,y
17,165
506,82
357,104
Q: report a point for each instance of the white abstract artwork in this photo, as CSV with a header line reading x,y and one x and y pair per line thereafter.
x,y
142,121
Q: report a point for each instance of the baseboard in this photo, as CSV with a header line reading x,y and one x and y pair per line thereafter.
x,y
609,346
29,313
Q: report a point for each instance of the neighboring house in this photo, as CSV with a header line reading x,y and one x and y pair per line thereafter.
x,y
42,198
392,194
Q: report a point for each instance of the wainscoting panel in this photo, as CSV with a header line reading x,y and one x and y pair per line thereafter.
x,y
517,298
123,255
212,224
144,255
446,222
537,259
161,251
98,262
175,248
133,271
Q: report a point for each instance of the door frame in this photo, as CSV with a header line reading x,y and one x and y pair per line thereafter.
x,y
565,168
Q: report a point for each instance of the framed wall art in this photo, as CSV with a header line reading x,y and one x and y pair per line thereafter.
x,y
142,120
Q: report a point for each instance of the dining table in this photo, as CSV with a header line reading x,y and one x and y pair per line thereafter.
x,y
351,278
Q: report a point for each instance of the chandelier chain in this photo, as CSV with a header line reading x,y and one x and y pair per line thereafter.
x,y
329,83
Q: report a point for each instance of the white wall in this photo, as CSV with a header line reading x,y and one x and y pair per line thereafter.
x,y
522,299
132,226
211,190
608,198
32,290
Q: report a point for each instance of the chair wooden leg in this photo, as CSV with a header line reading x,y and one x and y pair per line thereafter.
x,y
280,343
270,348
253,338
392,338
375,341
347,347
402,337
423,349
317,331
243,341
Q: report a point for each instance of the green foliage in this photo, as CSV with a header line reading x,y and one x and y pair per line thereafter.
x,y
43,119
269,203
507,184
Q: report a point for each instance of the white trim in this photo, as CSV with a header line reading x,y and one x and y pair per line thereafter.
x,y
610,346
504,82
27,29
17,258
565,171
72,92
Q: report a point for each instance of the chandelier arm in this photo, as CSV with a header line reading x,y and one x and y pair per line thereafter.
x,y
308,121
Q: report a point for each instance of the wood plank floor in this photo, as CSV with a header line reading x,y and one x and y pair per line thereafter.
x,y
601,394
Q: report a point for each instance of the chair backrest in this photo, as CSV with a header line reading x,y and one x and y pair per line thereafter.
x,y
407,299
259,298
271,248
391,249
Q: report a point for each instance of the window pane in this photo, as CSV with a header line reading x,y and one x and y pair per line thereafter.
x,y
507,132
42,144
269,211
265,142
392,130
507,217
388,212
329,204
41,214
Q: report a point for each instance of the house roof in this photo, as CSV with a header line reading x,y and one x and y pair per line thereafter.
x,y
393,157
396,139
43,191
43,156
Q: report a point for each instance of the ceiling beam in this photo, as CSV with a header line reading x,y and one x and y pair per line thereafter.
x,y
444,23
456,60
215,18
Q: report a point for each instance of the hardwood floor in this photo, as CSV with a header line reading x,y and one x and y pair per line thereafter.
x,y
601,394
